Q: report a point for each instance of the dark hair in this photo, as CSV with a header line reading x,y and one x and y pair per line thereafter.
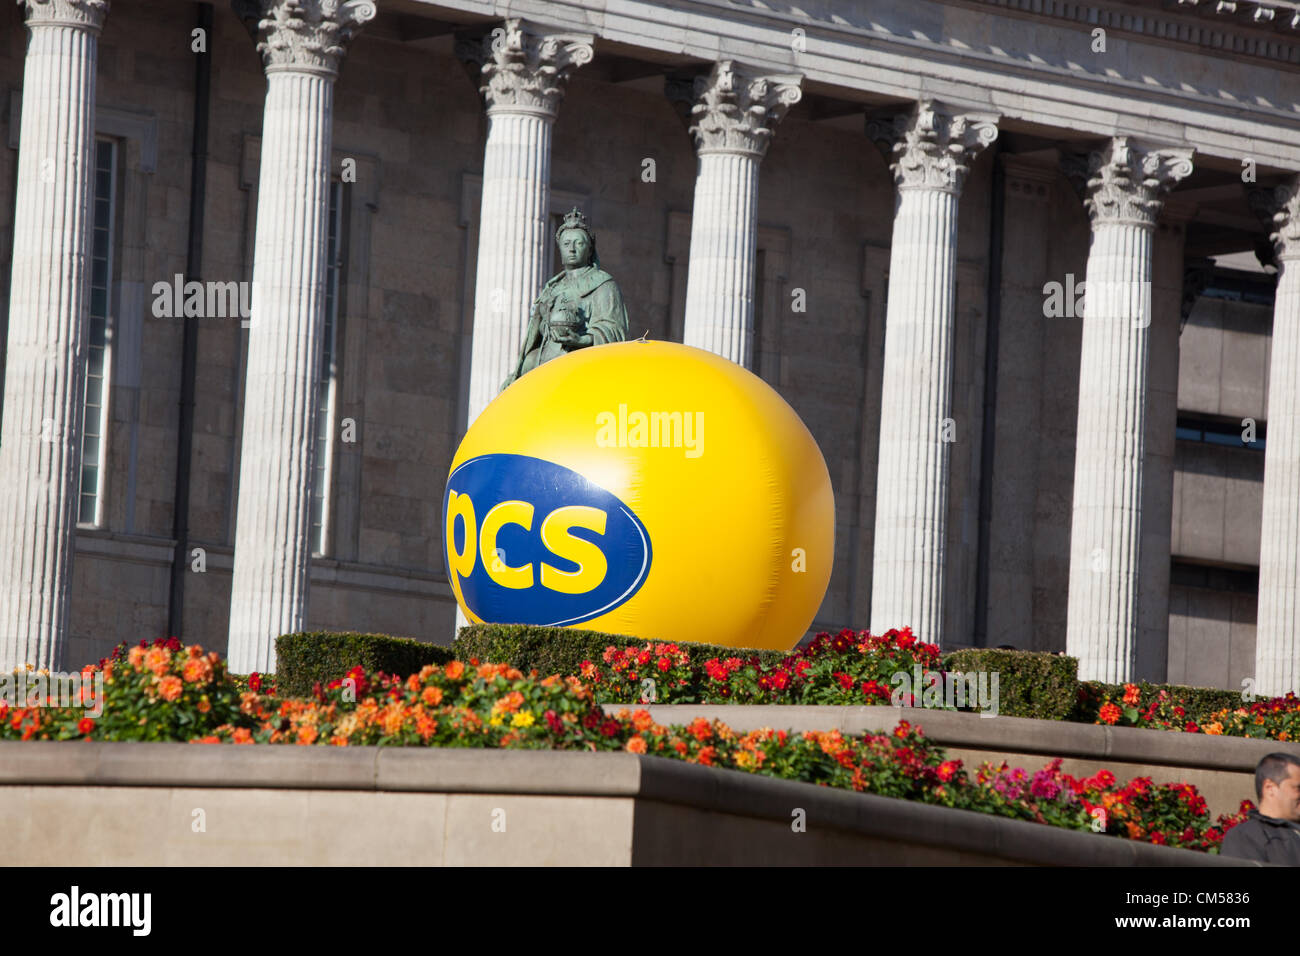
x,y
1273,767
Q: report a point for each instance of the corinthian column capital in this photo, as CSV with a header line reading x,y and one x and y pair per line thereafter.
x,y
86,14
304,36
1280,207
525,69
737,110
1124,183
932,145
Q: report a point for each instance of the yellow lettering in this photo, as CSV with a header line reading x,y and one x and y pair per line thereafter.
x,y
587,556
459,506
508,512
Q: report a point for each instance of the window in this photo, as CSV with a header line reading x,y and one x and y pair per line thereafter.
x,y
1218,433
327,382
95,424
1235,580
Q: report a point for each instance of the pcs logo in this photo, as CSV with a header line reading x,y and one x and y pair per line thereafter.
x,y
532,542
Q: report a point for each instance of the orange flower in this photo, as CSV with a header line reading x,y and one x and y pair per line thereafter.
x,y
242,735
135,657
170,687
1131,694
509,703
706,756
636,745
425,726
587,670
196,671
1109,713
391,719
203,705
158,659
1134,831
194,650
455,670
307,734
1213,727
699,729
432,696
413,683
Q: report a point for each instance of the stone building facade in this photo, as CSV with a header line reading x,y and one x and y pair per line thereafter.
x,y
781,183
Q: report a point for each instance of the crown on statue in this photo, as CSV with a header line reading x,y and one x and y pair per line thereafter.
x,y
574,219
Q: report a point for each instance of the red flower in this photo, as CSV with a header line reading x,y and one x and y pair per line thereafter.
x,y
554,722
664,664
85,726
255,682
1109,713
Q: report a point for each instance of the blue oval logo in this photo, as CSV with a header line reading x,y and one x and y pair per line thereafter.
x,y
528,541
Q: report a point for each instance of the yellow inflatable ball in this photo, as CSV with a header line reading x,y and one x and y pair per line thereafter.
x,y
642,488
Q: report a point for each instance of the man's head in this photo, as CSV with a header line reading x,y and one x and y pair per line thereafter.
x,y
1277,785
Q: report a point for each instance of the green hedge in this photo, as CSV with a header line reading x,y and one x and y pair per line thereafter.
x,y
1030,683
553,650
1198,702
305,658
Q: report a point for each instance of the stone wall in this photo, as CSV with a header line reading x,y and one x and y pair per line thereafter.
x,y
98,804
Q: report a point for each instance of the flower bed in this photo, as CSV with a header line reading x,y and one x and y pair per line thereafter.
x,y
849,668
166,692
861,668
1277,718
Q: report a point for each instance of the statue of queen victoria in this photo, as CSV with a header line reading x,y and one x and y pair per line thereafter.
x,y
577,308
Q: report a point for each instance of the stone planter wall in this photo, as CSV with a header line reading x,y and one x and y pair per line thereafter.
x,y
102,804
1221,768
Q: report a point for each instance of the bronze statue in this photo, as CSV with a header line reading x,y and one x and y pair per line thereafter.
x,y
577,308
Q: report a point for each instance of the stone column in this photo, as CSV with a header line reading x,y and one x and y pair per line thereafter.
x,y
1277,628
302,43
44,394
525,72
932,149
734,116
1123,197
